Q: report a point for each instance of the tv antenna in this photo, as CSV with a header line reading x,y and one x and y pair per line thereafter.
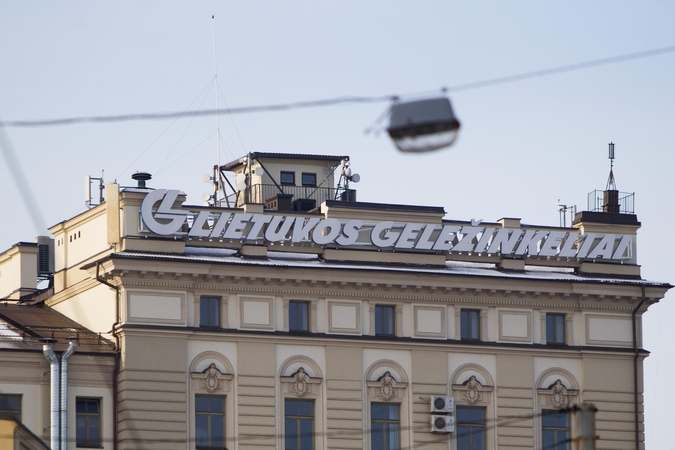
x,y
563,210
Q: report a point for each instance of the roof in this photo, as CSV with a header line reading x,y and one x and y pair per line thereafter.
x,y
240,161
313,261
385,207
23,326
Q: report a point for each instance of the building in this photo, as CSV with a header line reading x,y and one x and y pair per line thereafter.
x,y
293,316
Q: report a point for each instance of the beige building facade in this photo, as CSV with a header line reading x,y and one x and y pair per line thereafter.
x,y
263,324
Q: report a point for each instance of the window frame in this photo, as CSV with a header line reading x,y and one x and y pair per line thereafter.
x,y
87,442
286,183
13,412
381,320
471,426
469,333
298,419
297,316
556,429
554,329
385,422
209,415
212,316
311,174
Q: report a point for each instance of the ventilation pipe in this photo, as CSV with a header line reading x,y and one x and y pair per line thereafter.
x,y
64,393
53,391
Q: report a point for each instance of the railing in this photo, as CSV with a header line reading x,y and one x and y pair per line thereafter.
x,y
597,203
259,193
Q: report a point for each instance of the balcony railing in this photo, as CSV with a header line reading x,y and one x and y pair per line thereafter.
x,y
597,202
260,193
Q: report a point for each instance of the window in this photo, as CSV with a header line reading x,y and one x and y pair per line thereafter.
x,y
555,329
299,421
385,426
298,316
88,422
555,430
308,179
470,428
209,311
384,320
10,404
470,324
210,421
288,178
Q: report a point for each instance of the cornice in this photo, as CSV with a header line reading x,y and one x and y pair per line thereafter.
x,y
422,292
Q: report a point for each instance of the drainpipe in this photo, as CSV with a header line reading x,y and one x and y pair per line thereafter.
x,y
64,393
117,347
53,391
636,355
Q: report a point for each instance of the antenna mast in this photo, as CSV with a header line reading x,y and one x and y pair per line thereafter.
x,y
216,179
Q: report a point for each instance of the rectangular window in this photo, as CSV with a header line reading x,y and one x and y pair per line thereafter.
x,y
298,316
10,404
209,312
555,329
555,430
299,421
385,426
384,320
308,179
88,422
470,428
210,421
470,324
288,178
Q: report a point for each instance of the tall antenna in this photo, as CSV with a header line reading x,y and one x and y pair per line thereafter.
x,y
216,181
611,182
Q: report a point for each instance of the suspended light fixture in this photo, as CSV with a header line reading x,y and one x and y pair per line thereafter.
x,y
423,125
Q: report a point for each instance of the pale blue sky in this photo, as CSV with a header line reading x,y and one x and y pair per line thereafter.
x,y
522,147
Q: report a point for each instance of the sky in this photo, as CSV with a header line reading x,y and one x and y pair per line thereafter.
x,y
524,147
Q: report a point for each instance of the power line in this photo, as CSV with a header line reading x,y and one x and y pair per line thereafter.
x,y
344,99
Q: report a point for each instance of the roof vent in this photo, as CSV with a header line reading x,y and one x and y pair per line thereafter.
x,y
141,178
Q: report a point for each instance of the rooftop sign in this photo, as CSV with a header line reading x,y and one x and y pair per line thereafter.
x,y
166,221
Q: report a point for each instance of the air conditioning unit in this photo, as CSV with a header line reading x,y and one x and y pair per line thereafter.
x,y
45,256
442,405
442,424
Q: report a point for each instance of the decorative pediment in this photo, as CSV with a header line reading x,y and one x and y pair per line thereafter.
x,y
557,395
472,391
300,384
386,388
211,380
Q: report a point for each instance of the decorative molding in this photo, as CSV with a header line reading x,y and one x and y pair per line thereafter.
x,y
212,381
300,384
472,392
386,388
557,396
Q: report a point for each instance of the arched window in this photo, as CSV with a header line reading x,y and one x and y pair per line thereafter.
x,y
387,411
473,390
300,412
211,402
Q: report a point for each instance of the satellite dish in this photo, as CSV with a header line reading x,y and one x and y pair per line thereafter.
x,y
258,171
423,125
206,178
206,196
356,178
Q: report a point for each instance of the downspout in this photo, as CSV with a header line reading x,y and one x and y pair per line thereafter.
x,y
636,355
64,393
53,391
117,347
